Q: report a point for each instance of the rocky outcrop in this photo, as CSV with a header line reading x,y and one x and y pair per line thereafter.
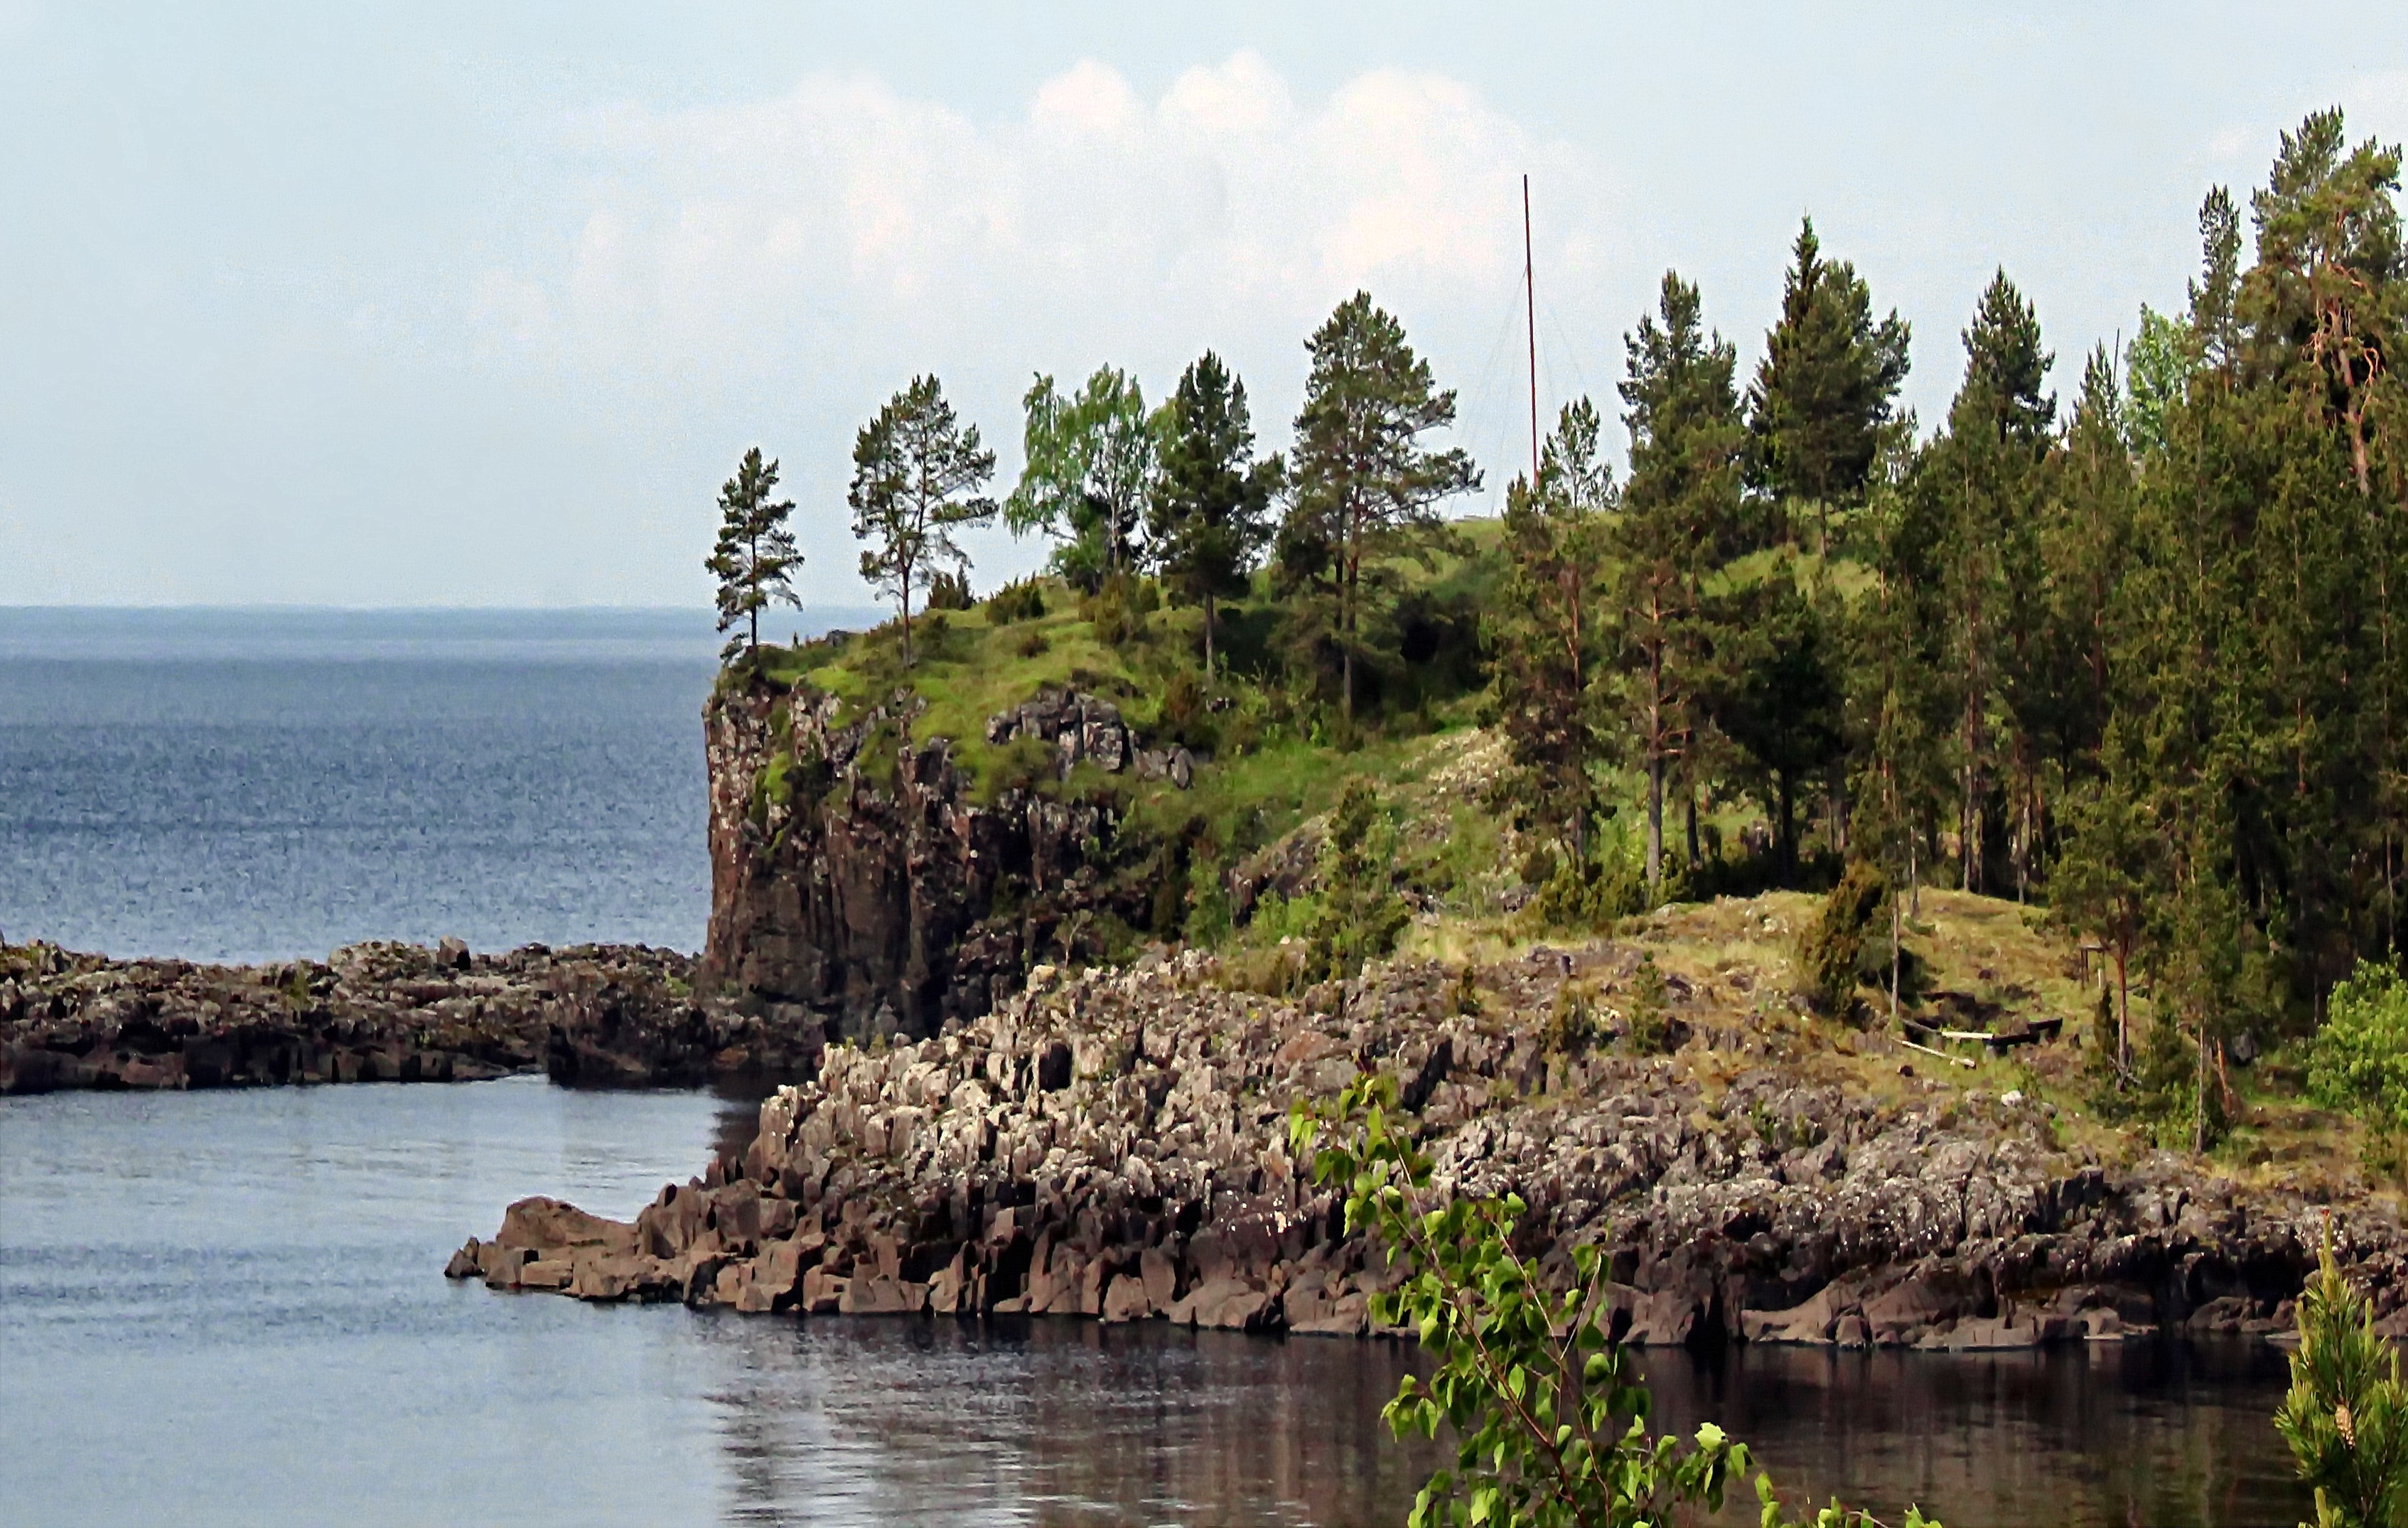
x,y
862,883
1114,1144
592,1015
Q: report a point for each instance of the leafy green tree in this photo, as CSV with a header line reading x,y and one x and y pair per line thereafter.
x,y
1092,460
2157,363
1548,1413
916,474
1366,486
2359,1063
1823,396
1685,443
1210,506
1546,629
754,558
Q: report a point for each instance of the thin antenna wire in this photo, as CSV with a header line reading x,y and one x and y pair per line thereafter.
x,y
1530,285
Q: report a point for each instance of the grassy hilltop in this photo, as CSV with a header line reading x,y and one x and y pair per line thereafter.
x,y
1471,873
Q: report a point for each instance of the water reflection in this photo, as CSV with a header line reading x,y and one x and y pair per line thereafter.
x,y
224,1309
1058,1422
2148,1433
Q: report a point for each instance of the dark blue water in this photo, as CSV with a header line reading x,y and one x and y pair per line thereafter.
x,y
249,785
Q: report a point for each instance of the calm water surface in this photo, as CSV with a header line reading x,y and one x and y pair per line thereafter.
x,y
226,1309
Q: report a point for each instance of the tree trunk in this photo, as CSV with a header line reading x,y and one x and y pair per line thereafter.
x,y
2123,1010
1785,830
1689,809
1208,634
1654,828
1894,960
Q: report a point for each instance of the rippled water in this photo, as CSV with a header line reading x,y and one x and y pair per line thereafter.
x,y
261,785
226,1309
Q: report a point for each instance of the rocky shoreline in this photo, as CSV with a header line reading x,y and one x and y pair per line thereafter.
x,y
1113,1144
594,1015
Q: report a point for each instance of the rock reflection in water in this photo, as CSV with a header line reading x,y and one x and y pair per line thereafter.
x,y
2142,1433
1051,1421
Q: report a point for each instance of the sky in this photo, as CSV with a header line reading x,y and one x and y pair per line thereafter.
x,y
475,305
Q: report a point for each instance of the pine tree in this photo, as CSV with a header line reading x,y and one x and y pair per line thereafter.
x,y
1546,629
1823,393
1778,691
1365,486
1685,438
1985,476
1209,513
754,558
916,473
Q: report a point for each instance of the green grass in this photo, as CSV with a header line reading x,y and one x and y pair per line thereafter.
x,y
1273,766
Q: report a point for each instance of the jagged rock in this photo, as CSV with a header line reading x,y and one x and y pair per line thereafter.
x,y
380,1012
1113,1144
855,874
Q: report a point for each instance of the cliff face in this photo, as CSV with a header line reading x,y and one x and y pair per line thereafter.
x,y
857,881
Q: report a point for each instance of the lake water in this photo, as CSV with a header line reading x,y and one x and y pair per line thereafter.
x,y
262,785
227,1307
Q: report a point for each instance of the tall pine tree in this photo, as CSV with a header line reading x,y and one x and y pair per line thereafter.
x,y
1823,393
1367,487
1212,498
1681,410
754,558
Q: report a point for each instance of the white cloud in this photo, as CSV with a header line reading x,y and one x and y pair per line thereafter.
x,y
844,207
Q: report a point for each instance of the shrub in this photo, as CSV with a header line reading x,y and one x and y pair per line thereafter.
x,y
950,591
1591,897
1182,717
1360,913
2358,1062
1032,642
1549,1414
1651,1007
1021,600
1830,947
1114,610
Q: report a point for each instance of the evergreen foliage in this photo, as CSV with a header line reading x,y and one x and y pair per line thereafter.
x,y
754,558
1683,503
1830,952
916,474
2133,654
1546,632
1823,395
1209,513
2346,1415
1360,913
1367,489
